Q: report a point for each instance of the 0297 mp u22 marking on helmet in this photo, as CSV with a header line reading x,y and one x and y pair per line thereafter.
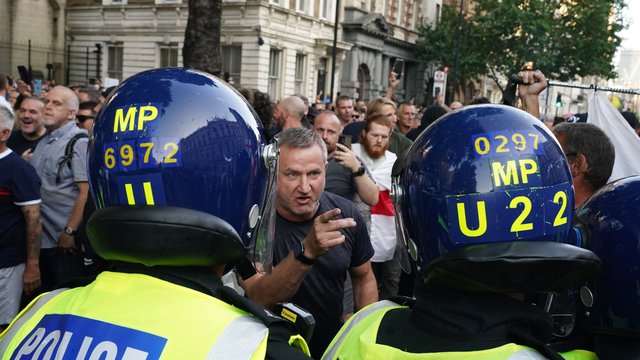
x,y
508,212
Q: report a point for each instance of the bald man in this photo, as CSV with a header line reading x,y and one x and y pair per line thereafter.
x,y
455,105
64,187
345,175
290,113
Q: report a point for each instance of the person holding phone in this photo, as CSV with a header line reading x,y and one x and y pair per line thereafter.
x,y
398,68
394,77
346,175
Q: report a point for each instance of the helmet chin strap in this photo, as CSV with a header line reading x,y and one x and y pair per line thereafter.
x,y
547,303
561,307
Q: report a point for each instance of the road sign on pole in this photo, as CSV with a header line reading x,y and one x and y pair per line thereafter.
x,y
439,83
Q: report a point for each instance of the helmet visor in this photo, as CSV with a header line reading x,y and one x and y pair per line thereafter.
x,y
262,254
401,230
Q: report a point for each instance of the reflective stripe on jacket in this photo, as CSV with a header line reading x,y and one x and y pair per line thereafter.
x,y
132,316
357,340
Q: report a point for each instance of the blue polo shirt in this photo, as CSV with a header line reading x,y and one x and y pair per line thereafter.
x,y
59,197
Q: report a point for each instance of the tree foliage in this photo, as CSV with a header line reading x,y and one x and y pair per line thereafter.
x,y
201,48
564,38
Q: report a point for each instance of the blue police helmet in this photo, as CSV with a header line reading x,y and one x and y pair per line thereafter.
x,y
484,202
610,223
177,170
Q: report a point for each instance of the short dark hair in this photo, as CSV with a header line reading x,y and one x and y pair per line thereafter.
x,y
301,138
431,114
87,105
480,100
263,106
589,140
105,94
342,98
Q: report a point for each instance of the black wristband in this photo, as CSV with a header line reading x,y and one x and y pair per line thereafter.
x,y
358,172
298,252
69,231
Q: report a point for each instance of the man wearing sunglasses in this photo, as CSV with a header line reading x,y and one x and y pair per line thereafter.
x,y
85,115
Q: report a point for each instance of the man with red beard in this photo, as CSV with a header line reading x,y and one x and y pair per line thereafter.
x,y
373,150
31,122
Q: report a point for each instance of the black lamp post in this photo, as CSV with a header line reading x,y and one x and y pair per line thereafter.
x,y
456,69
335,49
98,52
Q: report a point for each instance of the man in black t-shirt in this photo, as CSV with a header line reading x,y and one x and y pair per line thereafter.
x,y
319,237
31,122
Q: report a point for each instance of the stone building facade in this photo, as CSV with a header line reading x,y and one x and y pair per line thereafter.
x,y
283,47
32,35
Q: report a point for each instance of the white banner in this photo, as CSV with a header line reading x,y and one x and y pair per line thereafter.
x,y
625,140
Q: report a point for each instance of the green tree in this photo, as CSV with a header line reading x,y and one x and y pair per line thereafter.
x,y
201,48
565,38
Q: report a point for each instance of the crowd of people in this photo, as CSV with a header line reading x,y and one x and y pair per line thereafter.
x,y
287,229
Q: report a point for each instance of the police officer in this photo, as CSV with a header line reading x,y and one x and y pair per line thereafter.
x,y
610,304
180,175
484,201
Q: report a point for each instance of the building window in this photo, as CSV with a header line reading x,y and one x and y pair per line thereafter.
x,y
275,1
114,66
114,2
231,61
158,2
415,13
274,73
298,82
322,77
169,55
326,10
302,5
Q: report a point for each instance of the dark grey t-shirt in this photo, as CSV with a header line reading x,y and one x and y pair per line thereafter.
x,y
339,180
321,292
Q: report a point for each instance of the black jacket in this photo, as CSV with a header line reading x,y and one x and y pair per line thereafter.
x,y
447,320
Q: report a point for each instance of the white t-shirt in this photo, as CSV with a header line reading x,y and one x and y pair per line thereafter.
x,y
383,227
